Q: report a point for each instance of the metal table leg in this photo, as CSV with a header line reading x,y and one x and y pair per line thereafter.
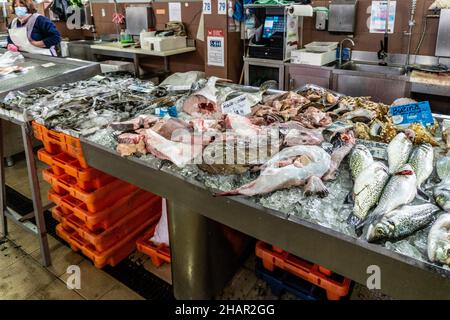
x,y
166,64
202,259
36,195
3,220
137,71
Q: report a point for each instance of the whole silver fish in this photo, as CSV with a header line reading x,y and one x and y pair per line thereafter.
x,y
439,240
442,190
367,190
360,159
421,160
401,189
398,152
401,222
292,166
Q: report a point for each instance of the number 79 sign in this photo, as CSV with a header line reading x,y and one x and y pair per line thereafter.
x,y
207,7
222,7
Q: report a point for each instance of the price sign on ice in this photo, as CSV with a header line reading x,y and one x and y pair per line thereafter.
x,y
237,105
207,7
412,113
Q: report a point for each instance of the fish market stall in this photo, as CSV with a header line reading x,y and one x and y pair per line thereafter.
x,y
28,71
299,200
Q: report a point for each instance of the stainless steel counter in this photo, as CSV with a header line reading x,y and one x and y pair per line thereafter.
x,y
47,71
201,266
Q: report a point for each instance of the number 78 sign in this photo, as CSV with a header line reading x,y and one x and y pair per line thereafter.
x,y
207,7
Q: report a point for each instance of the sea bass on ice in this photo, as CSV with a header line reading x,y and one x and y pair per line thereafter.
x,y
401,222
360,159
439,240
398,152
421,160
291,167
367,190
401,189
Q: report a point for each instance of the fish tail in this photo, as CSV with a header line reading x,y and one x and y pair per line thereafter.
x,y
422,195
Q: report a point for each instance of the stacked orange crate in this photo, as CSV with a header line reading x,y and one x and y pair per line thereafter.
x,y
272,257
99,215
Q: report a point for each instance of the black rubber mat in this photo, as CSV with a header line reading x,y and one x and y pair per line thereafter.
x,y
130,273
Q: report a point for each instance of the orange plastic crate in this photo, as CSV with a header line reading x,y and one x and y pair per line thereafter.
x,y
95,200
157,253
102,219
62,163
56,142
112,256
335,289
103,239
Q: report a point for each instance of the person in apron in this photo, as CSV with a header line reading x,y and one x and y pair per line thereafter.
x,y
32,32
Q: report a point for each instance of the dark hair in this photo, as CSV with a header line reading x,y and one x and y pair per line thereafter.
x,y
27,4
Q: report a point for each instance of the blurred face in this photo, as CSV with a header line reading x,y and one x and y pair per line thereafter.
x,y
19,9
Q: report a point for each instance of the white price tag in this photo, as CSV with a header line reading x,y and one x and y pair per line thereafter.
x,y
48,65
222,6
237,105
207,7
98,78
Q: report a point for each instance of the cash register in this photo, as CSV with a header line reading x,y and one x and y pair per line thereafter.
x,y
271,43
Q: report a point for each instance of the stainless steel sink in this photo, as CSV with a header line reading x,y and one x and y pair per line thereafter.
x,y
81,49
373,68
84,42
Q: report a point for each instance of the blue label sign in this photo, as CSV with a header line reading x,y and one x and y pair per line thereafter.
x,y
412,113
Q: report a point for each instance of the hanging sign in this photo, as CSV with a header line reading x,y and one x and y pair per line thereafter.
x,y
207,7
216,48
222,7
379,15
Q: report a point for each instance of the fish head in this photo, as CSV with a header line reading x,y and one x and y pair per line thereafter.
x,y
409,134
443,168
405,170
379,230
442,253
442,198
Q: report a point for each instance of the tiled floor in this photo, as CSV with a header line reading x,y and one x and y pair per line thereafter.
x,y
22,276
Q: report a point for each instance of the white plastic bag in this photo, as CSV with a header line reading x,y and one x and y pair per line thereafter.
x,y
10,58
161,235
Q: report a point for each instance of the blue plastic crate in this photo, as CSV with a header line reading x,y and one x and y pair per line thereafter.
x,y
281,281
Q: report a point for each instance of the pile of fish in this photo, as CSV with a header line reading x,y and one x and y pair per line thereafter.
x,y
281,140
83,107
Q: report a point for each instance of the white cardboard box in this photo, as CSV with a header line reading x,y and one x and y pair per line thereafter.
x,y
114,66
163,43
304,56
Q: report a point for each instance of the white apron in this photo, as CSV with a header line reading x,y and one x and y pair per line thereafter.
x,y
20,36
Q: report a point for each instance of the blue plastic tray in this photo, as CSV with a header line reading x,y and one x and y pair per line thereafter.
x,y
281,281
